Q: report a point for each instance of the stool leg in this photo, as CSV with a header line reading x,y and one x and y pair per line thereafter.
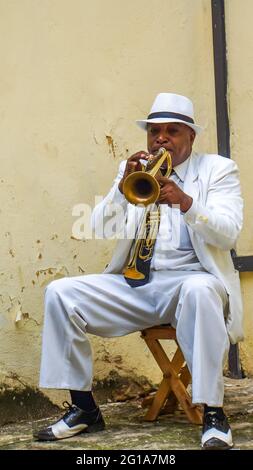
x,y
158,400
175,380
193,413
185,376
164,390
172,401
171,404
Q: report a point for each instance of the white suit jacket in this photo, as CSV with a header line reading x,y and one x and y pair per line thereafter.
x,y
214,222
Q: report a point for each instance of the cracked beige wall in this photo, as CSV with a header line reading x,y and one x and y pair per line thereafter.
x,y
74,77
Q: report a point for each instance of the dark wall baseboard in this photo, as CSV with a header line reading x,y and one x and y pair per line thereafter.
x,y
243,263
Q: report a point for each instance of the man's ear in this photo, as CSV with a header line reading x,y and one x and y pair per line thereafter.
x,y
192,136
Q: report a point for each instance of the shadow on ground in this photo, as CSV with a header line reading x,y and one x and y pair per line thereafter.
x,y
127,430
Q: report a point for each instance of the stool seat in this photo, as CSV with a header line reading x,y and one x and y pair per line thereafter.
x,y
176,377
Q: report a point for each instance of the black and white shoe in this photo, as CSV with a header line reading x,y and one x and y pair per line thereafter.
x,y
75,421
216,433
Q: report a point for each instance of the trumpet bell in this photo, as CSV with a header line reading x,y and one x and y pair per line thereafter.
x,y
141,188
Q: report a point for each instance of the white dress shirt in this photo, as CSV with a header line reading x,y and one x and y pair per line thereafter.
x,y
173,247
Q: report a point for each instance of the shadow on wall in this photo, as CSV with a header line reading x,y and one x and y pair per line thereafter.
x,y
18,401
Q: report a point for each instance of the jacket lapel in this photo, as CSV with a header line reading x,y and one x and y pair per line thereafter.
x,y
191,184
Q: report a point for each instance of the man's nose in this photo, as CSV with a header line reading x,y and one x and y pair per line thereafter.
x,y
161,138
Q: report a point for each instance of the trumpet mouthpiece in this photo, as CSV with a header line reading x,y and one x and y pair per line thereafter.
x,y
160,151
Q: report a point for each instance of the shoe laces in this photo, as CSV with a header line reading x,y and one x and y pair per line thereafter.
x,y
68,407
213,419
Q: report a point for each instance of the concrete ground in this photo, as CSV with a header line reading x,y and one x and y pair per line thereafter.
x,y
127,430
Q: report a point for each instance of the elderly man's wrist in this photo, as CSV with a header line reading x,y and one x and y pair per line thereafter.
x,y
186,204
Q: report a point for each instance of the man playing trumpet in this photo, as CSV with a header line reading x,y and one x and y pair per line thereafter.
x,y
192,286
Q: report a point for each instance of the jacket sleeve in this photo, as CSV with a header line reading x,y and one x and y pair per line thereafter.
x,y
108,218
219,221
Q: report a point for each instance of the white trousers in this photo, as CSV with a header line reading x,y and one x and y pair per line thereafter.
x,y
105,305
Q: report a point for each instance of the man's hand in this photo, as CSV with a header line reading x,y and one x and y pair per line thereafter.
x,y
170,194
133,164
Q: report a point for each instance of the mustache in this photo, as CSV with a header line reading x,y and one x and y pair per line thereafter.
x,y
156,149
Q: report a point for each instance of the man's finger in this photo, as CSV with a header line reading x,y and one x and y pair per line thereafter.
x,y
132,167
164,179
138,156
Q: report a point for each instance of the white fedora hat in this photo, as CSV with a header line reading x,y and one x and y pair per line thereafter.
x,y
169,107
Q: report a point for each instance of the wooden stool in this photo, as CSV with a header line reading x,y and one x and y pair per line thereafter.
x,y
176,378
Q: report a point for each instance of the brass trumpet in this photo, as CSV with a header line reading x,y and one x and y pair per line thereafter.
x,y
141,187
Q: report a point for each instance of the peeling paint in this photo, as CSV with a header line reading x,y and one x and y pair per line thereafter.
x,y
16,314
111,145
78,239
81,270
47,275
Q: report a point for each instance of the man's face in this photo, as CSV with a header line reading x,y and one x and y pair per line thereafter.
x,y
177,138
